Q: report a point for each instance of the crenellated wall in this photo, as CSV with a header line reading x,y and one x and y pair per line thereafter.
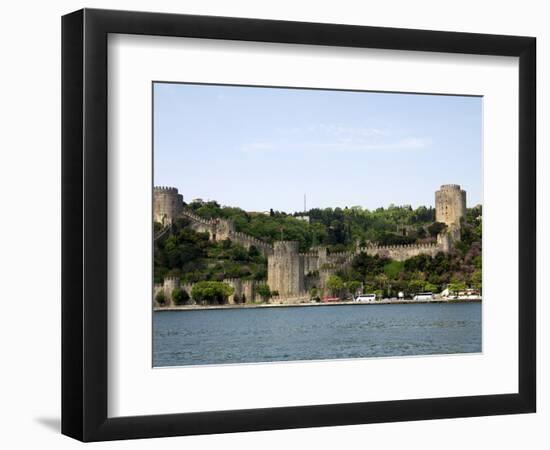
x,y
242,287
291,273
221,229
402,252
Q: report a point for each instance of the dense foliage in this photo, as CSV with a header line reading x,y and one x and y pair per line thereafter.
x,y
459,269
192,257
211,292
337,228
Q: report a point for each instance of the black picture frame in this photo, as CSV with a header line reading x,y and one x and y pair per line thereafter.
x,y
84,224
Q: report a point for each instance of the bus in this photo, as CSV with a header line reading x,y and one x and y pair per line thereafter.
x,y
366,298
424,296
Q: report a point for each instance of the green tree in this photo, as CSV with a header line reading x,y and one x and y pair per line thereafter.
x,y
353,286
264,292
160,298
457,286
477,279
382,283
369,286
212,292
179,296
435,228
429,287
314,294
335,284
253,252
393,269
416,286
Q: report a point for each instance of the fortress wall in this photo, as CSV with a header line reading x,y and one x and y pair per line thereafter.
x,y
248,241
312,282
311,262
202,228
403,252
221,229
238,286
324,275
169,284
288,269
246,287
340,257
157,287
198,223
249,290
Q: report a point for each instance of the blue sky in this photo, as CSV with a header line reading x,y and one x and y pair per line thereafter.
x,y
260,148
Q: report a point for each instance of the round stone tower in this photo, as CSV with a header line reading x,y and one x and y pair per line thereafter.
x,y
450,205
285,271
167,204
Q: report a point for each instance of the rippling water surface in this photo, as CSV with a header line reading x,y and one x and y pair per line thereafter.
x,y
183,338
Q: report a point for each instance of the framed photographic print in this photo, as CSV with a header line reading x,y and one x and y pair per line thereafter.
x,y
273,224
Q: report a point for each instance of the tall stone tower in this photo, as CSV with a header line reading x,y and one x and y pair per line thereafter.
x,y
285,269
450,205
167,204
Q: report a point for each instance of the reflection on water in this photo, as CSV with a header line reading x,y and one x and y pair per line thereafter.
x,y
288,334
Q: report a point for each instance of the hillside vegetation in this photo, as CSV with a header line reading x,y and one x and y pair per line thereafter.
x,y
192,257
337,228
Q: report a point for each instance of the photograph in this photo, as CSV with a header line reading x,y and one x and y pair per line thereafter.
x,y
294,224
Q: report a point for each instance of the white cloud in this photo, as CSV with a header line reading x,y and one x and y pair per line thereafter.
x,y
340,138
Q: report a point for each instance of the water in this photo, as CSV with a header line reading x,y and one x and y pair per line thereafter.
x,y
311,333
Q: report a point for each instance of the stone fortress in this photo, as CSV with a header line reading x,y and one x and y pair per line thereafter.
x,y
291,273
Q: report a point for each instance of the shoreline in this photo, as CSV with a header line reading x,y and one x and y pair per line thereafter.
x,y
312,304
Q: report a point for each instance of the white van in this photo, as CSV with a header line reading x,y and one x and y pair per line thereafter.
x,y
366,298
424,296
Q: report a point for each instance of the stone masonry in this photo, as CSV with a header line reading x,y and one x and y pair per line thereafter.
x,y
450,208
167,204
291,273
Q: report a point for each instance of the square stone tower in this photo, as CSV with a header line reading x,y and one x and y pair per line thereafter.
x,y
285,269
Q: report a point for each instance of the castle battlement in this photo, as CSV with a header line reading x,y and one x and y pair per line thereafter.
x,y
375,247
450,187
339,254
167,204
281,247
287,269
197,218
172,278
168,189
